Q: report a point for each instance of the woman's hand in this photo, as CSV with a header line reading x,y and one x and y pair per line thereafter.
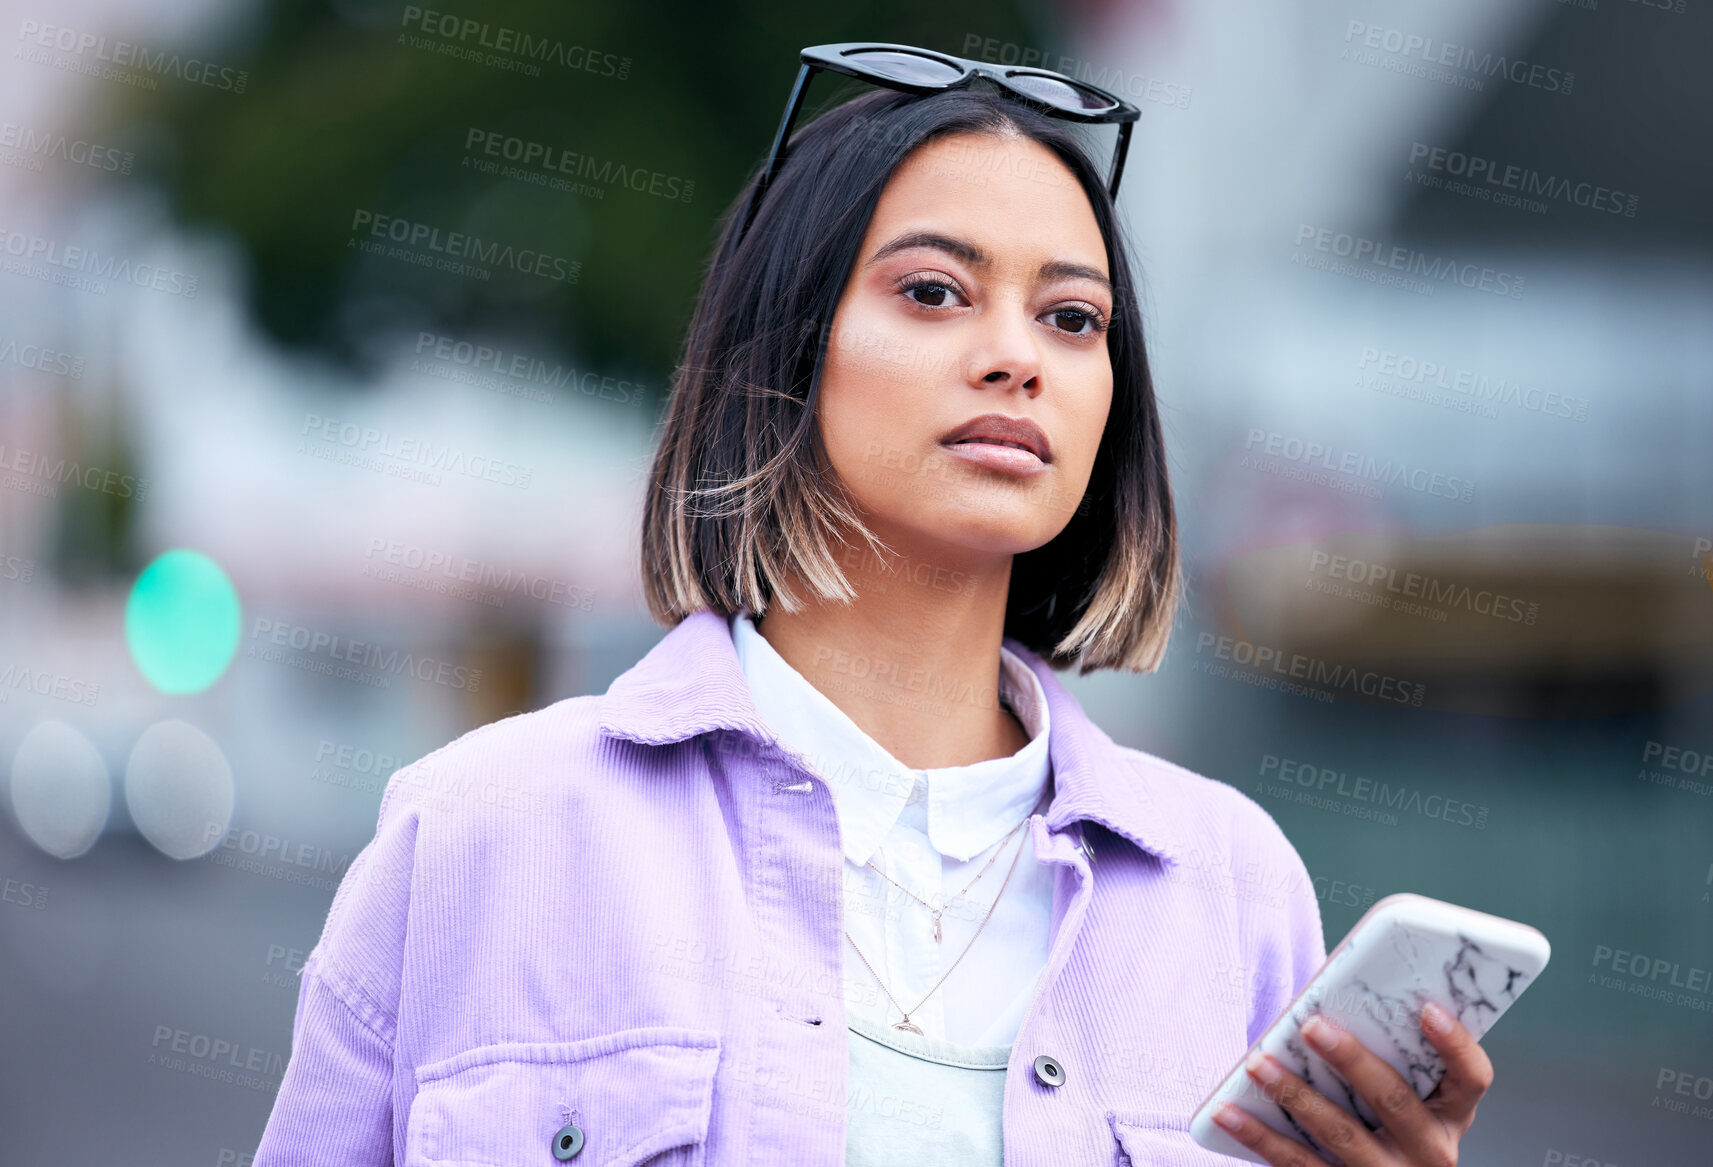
x,y
1415,1132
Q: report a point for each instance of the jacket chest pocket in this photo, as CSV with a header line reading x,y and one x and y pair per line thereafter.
x,y
636,1096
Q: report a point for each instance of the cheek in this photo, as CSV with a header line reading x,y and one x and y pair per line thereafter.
x,y
870,393
1089,423
845,431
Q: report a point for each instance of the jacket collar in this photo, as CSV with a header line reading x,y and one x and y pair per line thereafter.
x,y
690,683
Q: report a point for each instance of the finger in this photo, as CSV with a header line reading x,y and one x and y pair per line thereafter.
x,y
1468,1070
1330,1126
1418,1131
1264,1140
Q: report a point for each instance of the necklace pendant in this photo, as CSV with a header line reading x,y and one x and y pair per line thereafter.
x,y
907,1026
936,927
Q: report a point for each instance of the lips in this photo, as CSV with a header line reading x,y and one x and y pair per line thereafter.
x,y
1000,430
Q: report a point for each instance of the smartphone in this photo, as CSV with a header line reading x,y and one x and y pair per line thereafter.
x,y
1406,950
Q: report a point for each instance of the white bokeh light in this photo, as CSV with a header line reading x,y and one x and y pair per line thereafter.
x,y
178,786
60,789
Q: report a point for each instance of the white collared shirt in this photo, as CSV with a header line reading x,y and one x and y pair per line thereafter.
x,y
932,831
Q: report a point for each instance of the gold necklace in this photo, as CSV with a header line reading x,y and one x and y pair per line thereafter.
x,y
907,1025
937,911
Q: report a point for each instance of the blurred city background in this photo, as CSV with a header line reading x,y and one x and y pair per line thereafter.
x,y
296,489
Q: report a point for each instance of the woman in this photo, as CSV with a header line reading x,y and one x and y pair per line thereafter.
x,y
839,872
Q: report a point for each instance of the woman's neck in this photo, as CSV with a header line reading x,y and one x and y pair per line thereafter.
x,y
913,660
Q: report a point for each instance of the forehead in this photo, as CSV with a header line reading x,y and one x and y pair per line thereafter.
x,y
1011,196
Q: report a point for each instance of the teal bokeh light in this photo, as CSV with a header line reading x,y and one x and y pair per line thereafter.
x,y
183,621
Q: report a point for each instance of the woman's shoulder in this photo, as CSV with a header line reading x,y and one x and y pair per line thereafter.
x,y
519,737
1225,845
525,767
1209,815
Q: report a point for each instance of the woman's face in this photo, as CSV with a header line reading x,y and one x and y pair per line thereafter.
x,y
981,288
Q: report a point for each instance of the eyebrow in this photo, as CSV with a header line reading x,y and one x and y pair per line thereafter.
x,y
969,253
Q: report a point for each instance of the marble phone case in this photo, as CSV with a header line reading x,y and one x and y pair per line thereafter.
x,y
1404,951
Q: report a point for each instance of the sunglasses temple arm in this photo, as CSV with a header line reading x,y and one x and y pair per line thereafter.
x,y
776,156
1118,157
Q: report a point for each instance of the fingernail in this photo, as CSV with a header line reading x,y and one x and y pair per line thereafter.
x,y
1262,1067
1321,1034
1228,1117
1435,1018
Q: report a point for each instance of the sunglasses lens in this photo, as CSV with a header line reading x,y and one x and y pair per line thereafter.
x,y
899,66
1060,93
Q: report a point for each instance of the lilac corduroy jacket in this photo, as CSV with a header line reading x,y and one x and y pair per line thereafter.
x,y
624,913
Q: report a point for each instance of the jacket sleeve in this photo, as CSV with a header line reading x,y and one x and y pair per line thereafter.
x,y
1293,946
334,1104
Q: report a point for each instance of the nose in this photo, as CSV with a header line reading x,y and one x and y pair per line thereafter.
x,y
1007,355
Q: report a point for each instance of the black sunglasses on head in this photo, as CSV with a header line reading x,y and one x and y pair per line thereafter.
x,y
914,70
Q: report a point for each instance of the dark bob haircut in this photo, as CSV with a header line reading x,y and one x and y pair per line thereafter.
x,y
742,495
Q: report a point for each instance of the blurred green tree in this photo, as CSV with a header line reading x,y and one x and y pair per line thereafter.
x,y
357,108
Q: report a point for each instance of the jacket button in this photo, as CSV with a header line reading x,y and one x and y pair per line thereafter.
x,y
1048,1072
567,1142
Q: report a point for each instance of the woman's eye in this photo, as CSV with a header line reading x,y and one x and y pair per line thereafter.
x,y
1079,321
929,293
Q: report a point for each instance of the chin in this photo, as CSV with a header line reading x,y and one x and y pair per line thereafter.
x,y
993,525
